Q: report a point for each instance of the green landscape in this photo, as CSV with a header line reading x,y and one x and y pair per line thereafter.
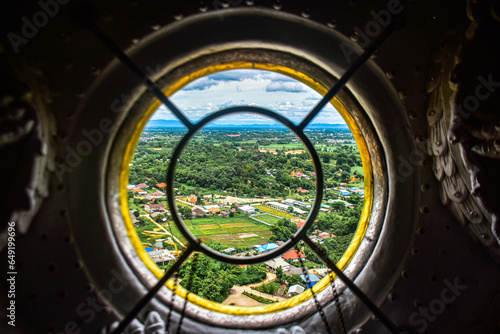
x,y
240,190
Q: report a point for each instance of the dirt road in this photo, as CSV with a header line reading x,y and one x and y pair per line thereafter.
x,y
237,297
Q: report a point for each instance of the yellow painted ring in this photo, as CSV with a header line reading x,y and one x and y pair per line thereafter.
x,y
353,246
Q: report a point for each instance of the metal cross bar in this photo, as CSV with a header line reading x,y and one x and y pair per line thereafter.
x,y
145,80
151,293
349,73
357,291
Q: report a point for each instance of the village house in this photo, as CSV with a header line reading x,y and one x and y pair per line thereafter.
x,y
161,256
293,255
295,290
213,209
326,235
197,211
273,264
292,270
154,207
310,279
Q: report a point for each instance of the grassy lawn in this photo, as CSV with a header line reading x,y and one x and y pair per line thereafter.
x,y
274,212
358,169
268,219
222,229
288,147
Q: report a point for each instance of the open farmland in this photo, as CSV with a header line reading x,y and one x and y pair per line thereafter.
x,y
270,219
229,231
279,213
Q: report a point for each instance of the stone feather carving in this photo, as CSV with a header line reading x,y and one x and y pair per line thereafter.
x,y
464,126
24,168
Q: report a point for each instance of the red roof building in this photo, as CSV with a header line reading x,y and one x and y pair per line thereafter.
x,y
136,190
197,211
142,185
161,185
293,255
154,207
326,235
299,225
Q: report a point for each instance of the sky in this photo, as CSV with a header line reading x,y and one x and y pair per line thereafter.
x,y
266,89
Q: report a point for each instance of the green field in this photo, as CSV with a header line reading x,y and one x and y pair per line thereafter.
x,y
229,231
358,169
268,218
274,212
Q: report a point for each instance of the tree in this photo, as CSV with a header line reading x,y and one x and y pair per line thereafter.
x,y
294,279
199,200
186,212
279,274
338,206
283,229
143,221
159,218
355,198
137,214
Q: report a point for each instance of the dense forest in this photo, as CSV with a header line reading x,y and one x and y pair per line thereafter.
x,y
212,279
235,164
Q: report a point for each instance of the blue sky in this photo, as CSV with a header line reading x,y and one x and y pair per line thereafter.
x,y
270,90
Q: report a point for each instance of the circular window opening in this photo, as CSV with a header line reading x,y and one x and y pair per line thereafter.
x,y
244,184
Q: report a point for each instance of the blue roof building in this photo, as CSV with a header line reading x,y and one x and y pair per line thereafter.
x,y
313,279
344,192
267,247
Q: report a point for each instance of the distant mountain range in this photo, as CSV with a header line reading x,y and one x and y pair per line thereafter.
x,y
163,123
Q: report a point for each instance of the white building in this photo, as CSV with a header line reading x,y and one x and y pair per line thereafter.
x,y
247,209
279,206
161,256
299,211
295,290
277,262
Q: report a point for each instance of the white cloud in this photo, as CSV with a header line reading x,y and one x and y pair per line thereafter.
x,y
269,90
290,87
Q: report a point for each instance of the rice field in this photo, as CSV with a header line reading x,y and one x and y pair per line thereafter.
x,y
226,230
279,213
268,218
